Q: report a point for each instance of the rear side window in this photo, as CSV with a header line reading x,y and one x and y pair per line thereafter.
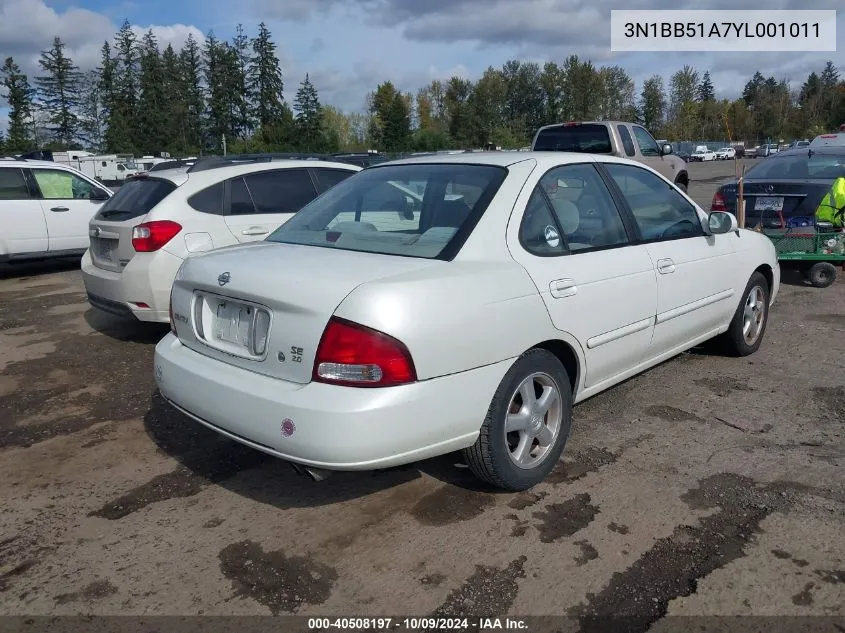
x,y
281,191
328,178
627,141
240,202
589,138
135,198
12,185
209,200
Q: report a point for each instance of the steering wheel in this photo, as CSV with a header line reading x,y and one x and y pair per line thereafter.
x,y
679,229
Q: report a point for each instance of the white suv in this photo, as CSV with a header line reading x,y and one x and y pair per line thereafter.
x,y
156,220
46,208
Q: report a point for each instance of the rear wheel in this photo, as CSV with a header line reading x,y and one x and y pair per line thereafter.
x,y
745,333
527,424
821,274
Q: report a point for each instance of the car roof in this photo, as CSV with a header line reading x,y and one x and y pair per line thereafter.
x,y
181,175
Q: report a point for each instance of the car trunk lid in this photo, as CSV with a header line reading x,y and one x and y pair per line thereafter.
x,y
772,203
264,306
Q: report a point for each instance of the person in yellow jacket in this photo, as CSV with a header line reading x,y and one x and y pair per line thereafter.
x,y
832,207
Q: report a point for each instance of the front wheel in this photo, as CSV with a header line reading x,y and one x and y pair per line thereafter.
x,y
745,333
681,186
527,424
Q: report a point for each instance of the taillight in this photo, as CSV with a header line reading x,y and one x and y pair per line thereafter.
x,y
357,356
718,203
151,236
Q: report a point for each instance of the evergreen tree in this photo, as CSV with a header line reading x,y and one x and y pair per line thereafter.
x,y
706,92
18,95
174,110
309,117
243,100
92,112
220,80
397,126
2,143
125,108
265,79
653,104
152,121
190,75
59,90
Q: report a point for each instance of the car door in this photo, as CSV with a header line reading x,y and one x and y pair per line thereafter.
x,y
598,285
24,229
262,201
694,269
652,156
68,206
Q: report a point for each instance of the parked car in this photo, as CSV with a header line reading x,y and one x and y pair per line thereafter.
x,y
768,150
701,155
141,237
361,335
725,153
613,138
785,190
835,140
46,208
799,144
752,152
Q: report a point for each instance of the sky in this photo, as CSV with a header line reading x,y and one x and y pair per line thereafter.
x,y
349,46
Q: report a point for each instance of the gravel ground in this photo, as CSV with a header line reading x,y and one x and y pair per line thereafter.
x,y
706,486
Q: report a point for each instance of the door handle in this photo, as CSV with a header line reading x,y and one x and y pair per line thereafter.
x,y
59,209
255,231
665,266
561,288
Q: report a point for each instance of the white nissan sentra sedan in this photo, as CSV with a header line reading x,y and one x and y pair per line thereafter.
x,y
458,302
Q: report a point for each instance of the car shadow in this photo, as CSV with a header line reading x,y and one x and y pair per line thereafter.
x,y
125,329
22,270
793,277
263,478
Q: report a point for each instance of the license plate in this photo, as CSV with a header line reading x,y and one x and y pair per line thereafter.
x,y
769,203
233,323
105,250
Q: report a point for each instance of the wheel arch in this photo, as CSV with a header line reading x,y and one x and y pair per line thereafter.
x,y
567,355
682,178
768,273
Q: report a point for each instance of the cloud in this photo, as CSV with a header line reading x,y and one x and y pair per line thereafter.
x,y
27,27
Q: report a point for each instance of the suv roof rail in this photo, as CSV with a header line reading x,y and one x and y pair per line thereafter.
x,y
173,164
215,162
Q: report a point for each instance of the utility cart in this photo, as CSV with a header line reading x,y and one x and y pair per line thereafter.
x,y
815,249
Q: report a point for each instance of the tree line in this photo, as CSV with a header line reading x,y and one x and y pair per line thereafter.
x,y
144,100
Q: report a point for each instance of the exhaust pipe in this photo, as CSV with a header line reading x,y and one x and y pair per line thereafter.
x,y
316,474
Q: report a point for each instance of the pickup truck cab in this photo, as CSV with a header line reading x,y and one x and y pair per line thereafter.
x,y
615,138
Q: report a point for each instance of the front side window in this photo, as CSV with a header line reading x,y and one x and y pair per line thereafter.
x,y
648,146
416,210
13,185
280,191
61,185
659,210
584,207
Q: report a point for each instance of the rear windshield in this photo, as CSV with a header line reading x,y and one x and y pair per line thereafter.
x,y
800,166
135,198
423,211
590,139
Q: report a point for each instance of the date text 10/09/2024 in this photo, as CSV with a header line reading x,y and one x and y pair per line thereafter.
x,y
417,624
721,29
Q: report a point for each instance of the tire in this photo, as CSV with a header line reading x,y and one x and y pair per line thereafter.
x,y
681,186
735,342
821,274
491,458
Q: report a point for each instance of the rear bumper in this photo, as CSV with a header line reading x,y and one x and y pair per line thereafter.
x,y
326,426
147,279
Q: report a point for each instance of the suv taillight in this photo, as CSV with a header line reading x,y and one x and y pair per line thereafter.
x,y
718,203
151,236
353,355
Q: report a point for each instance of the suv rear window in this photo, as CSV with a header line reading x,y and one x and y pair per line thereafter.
x,y
589,139
135,198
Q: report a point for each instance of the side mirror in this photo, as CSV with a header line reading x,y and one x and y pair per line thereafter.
x,y
98,194
667,149
720,222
